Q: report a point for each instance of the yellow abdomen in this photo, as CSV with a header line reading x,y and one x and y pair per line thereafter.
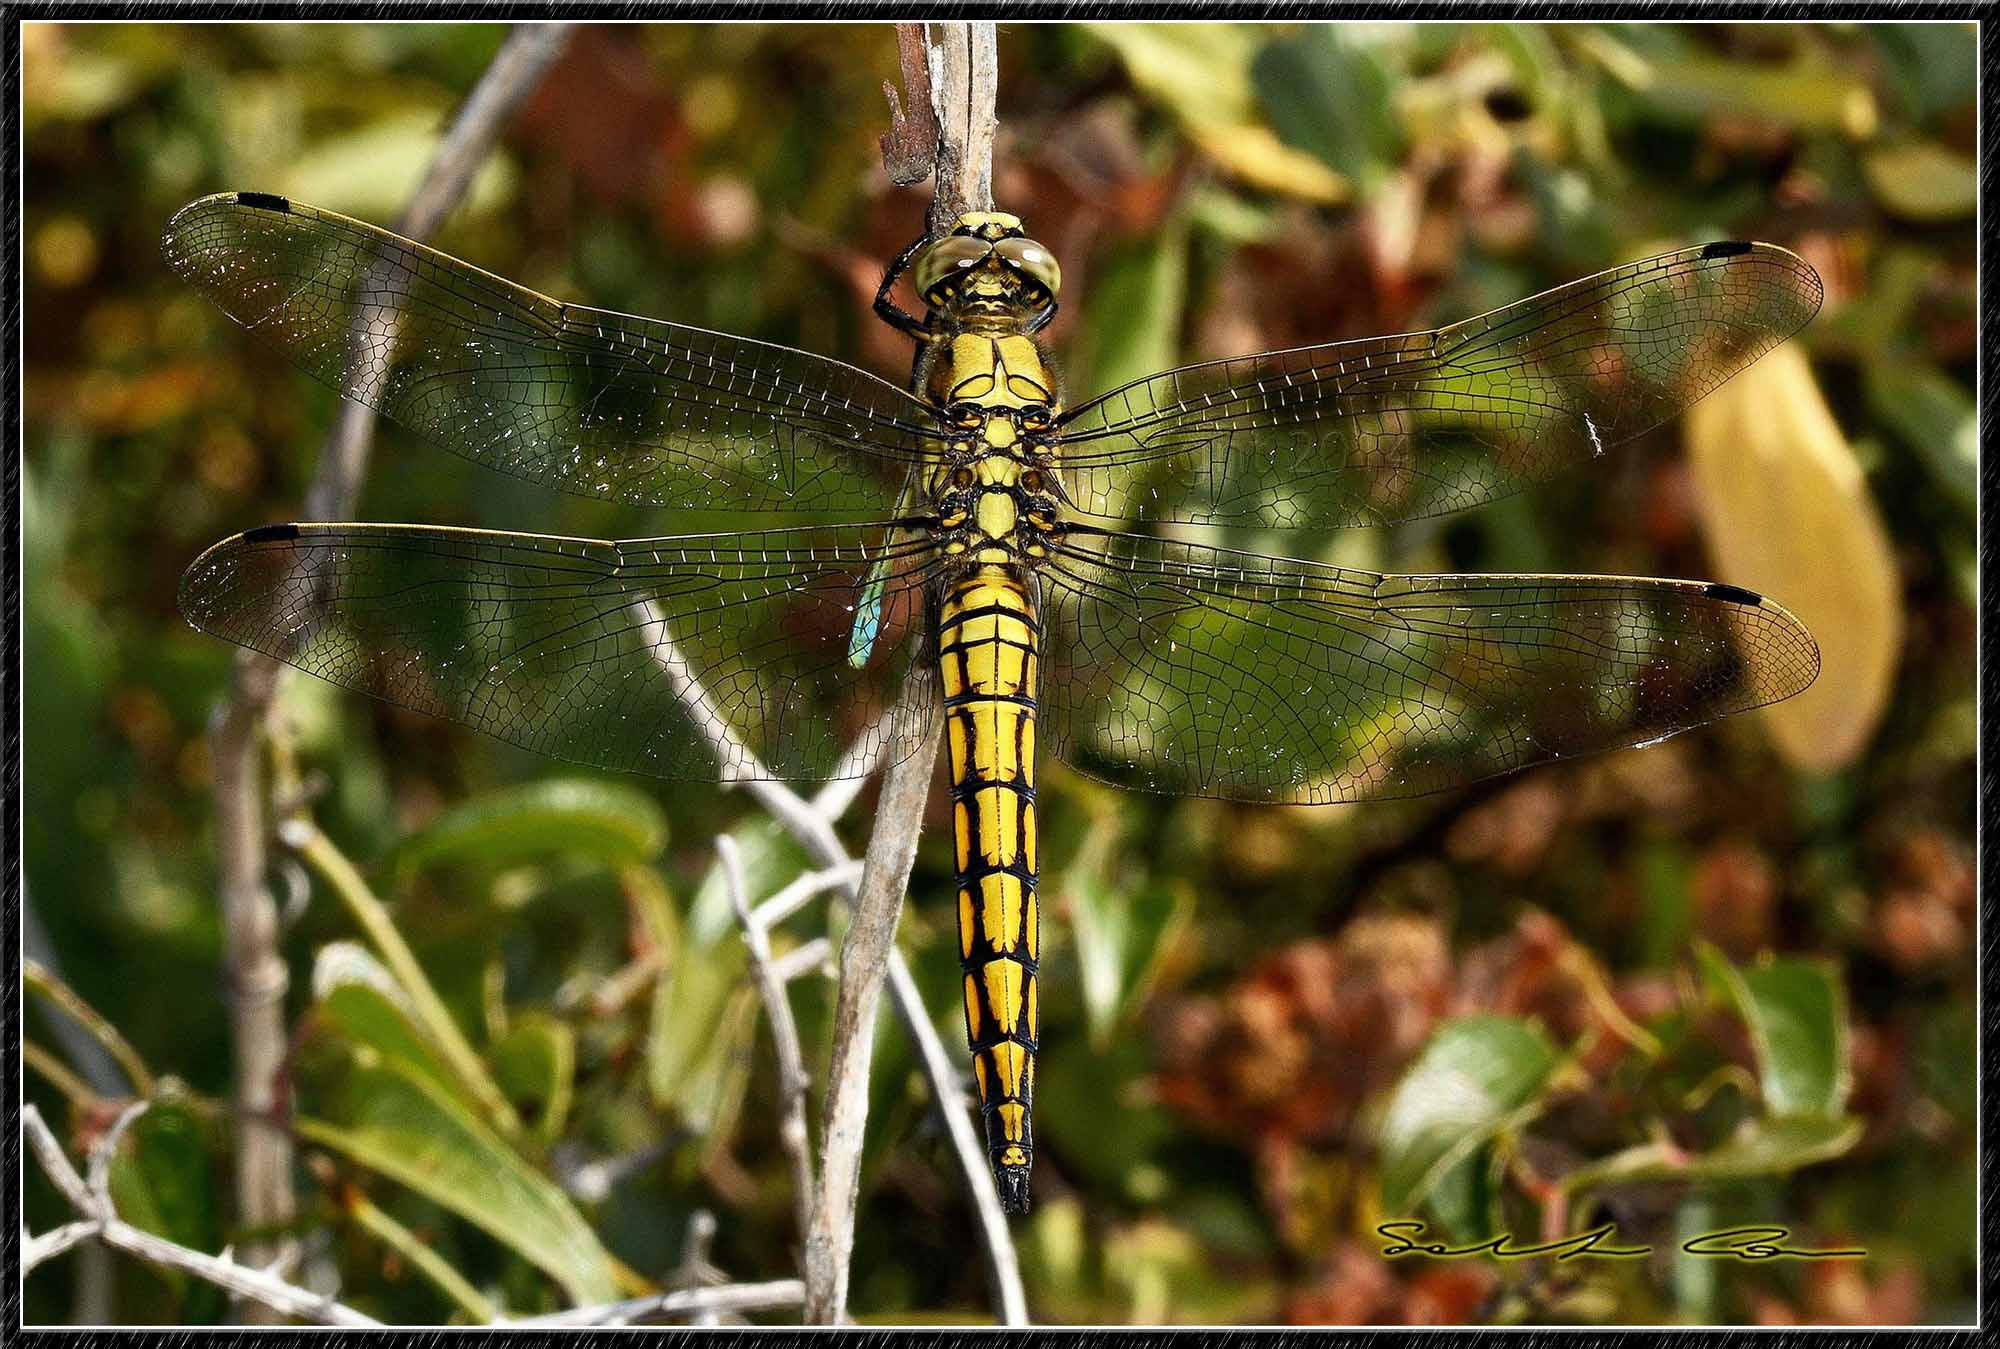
x,y
989,648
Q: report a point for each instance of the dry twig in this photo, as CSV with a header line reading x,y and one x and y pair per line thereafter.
x,y
92,1199
100,1219
963,68
696,1302
792,1080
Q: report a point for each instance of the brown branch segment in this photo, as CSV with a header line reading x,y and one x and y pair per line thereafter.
x,y
963,67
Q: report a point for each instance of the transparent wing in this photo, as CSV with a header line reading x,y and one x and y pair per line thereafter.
x,y
1394,428
601,404
700,657
1180,668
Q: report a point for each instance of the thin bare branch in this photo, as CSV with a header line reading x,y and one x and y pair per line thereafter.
x,y
816,954
814,831
741,1297
695,1269
965,82
804,890
255,976
792,1080
244,1281
516,70
52,1243
56,1164
101,1154
864,964
812,826
101,1220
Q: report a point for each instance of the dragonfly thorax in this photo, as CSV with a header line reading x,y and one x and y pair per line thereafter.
x,y
994,485
995,498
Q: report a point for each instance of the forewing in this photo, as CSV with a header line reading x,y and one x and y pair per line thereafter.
x,y
1179,668
699,657
602,404
1395,428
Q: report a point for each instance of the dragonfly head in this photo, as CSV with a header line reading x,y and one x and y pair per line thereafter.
x,y
988,267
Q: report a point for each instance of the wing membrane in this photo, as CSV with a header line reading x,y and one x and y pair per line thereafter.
x,y
602,404
1395,428
1180,668
696,657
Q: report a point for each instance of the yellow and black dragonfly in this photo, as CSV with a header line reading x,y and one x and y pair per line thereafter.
x,y
968,524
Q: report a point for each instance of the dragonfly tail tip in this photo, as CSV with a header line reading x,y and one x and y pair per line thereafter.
x,y
1012,1182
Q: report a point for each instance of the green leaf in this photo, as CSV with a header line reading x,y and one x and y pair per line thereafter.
x,y
535,1063
1120,937
1133,325
370,172
1201,74
1922,181
163,1180
703,1017
1462,1198
1798,1027
1331,97
1665,887
1771,1146
1085,1109
1804,95
1934,63
360,1000
399,1123
1478,1076
1778,1146
1933,415
556,816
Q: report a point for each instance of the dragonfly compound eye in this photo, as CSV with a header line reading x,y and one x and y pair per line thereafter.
x,y
1035,261
944,261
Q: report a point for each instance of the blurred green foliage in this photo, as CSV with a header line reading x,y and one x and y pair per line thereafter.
x,y
1240,1004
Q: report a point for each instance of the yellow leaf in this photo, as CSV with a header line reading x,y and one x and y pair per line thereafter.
x,y
1787,511
1922,180
1259,158
1202,73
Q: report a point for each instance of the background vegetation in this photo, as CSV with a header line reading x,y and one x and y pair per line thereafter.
x,y
1726,979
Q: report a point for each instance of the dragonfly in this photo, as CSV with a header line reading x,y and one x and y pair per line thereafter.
x,y
1028,559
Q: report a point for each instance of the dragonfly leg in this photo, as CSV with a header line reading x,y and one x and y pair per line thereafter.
x,y
886,308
